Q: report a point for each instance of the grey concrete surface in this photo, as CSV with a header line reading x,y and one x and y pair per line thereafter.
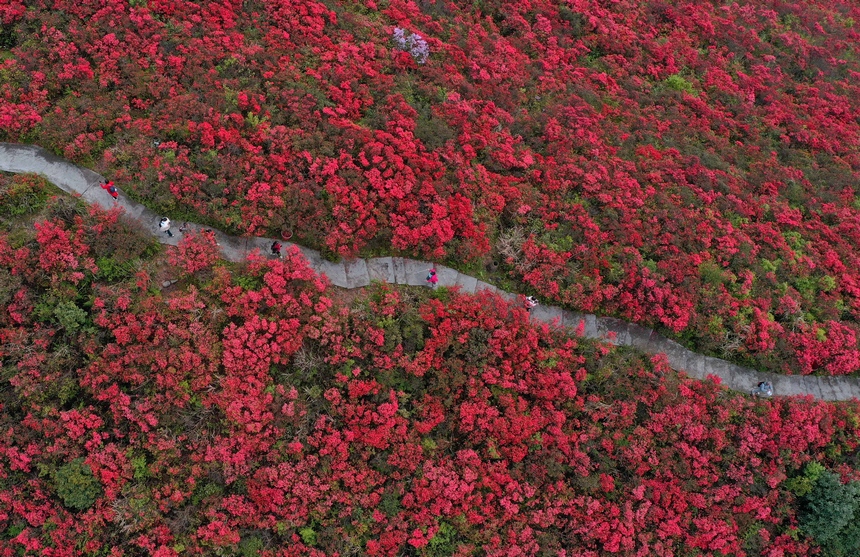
x,y
447,276
481,285
466,283
397,270
548,314
381,269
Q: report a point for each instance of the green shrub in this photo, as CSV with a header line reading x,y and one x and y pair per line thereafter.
x,y
8,36
251,546
433,132
23,195
390,502
711,273
828,513
802,485
678,83
441,293
111,270
309,536
444,542
140,467
247,282
847,544
204,491
76,485
70,316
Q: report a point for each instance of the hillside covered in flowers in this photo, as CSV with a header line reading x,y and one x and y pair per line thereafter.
x,y
254,410
689,165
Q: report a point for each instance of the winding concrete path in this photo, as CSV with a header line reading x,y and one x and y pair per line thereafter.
x,y
352,274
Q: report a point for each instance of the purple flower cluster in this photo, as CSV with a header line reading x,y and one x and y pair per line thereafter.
x,y
412,43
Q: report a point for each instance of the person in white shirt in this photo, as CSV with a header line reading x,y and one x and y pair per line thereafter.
x,y
164,226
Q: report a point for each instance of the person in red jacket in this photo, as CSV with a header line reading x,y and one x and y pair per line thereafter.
x,y
111,189
276,249
432,279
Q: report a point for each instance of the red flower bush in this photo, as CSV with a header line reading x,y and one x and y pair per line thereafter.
x,y
195,252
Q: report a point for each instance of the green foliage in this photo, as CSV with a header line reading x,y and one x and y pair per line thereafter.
x,y
444,542
66,209
70,316
66,390
433,132
309,536
118,247
390,503
678,83
141,470
476,347
577,21
8,37
111,270
24,195
14,530
829,512
251,546
204,491
711,273
56,306
753,542
770,266
253,120
795,194
76,485
807,286
441,293
247,282
794,239
802,485
826,283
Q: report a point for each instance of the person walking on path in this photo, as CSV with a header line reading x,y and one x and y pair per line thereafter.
x,y
184,228
276,248
530,303
164,226
764,390
432,278
111,189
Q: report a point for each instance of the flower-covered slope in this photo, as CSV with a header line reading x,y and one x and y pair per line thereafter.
x,y
247,412
689,164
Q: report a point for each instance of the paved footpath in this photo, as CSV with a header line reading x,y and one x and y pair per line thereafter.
x,y
398,270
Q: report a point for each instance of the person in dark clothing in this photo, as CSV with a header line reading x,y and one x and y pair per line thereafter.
x,y
276,249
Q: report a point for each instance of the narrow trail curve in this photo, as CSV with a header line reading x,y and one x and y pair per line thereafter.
x,y
352,274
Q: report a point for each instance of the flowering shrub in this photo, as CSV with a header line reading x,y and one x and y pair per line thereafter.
x,y
411,43
195,252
